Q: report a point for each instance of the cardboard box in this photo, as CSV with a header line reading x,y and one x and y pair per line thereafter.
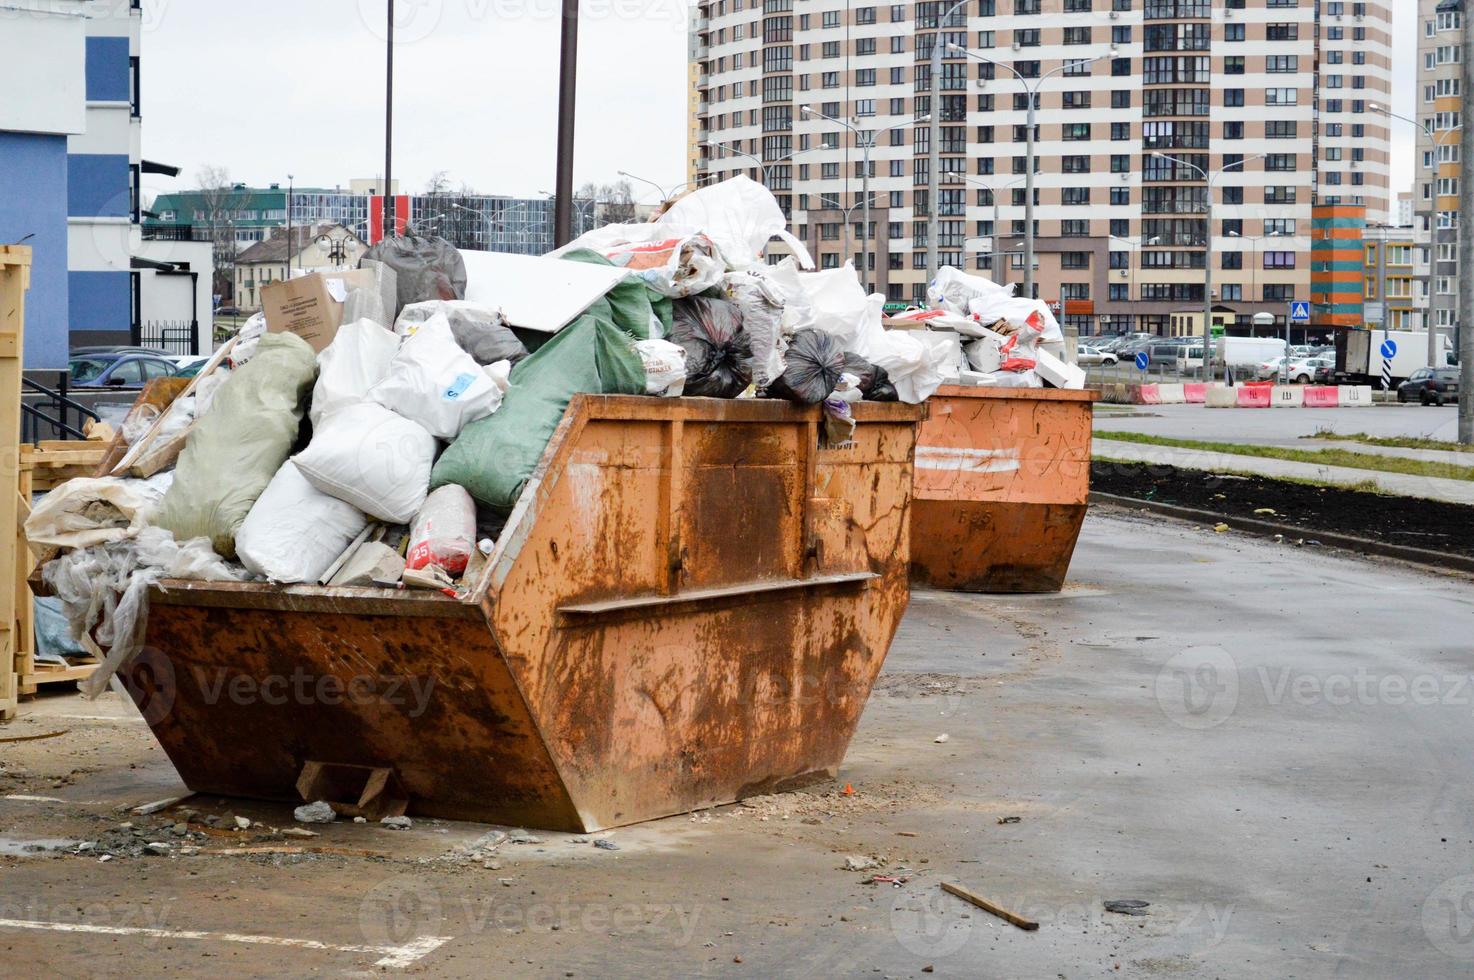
x,y
303,306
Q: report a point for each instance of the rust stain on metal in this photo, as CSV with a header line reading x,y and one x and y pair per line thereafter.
x,y
670,620
1002,478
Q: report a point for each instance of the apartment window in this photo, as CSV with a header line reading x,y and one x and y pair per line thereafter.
x,y
1279,226
1234,130
1280,129
1279,260
1074,260
1121,99
1231,260
1026,38
864,15
1233,32
1233,97
1075,228
1233,195
1233,65
1071,132
1276,194
865,77
831,18
1282,64
1282,32
1077,35
1120,195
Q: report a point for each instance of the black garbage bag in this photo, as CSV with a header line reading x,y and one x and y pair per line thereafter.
x,y
717,348
426,268
875,384
815,361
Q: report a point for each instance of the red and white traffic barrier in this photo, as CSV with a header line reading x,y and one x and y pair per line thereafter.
x,y
1172,394
1254,396
1148,395
1321,396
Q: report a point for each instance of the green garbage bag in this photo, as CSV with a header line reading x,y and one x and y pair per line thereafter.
x,y
240,443
630,304
494,457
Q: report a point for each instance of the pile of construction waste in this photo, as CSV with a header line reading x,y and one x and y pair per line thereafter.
x,y
375,427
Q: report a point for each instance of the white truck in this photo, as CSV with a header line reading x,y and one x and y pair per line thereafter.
x,y
1359,355
1247,353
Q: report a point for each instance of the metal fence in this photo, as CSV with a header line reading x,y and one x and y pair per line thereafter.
x,y
173,336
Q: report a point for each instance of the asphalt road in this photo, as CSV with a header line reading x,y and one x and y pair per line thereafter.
x,y
1270,745
1281,426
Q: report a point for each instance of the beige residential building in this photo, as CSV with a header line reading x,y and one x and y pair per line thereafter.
x,y
1436,193
318,248
1276,94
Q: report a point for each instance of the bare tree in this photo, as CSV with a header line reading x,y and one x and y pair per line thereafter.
x,y
605,204
450,213
223,202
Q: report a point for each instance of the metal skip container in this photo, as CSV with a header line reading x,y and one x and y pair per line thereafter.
x,y
1002,481
688,605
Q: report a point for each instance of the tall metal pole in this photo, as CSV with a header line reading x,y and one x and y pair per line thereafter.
x,y
934,154
389,124
865,229
1466,242
567,84
1029,201
1208,292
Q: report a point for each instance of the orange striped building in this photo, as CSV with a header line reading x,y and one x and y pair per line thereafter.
x,y
1337,265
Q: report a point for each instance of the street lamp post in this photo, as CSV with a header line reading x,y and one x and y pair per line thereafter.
x,y
965,178
1253,288
1436,142
847,212
1032,94
934,138
1136,244
866,143
1211,179
290,188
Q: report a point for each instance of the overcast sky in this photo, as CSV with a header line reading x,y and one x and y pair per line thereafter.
x,y
273,88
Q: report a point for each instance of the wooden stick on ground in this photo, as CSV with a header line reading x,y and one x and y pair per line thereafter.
x,y
1028,925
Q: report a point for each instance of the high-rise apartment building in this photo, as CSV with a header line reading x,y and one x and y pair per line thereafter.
x,y
1436,191
1264,104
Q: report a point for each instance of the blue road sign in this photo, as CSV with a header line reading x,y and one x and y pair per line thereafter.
x,y
1142,360
1389,348
1300,312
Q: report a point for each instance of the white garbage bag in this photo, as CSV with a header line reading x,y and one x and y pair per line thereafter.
x,y
841,308
88,511
356,360
375,459
916,361
969,295
294,531
741,216
665,367
433,382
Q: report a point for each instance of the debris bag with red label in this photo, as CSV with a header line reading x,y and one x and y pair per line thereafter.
x,y
718,352
444,531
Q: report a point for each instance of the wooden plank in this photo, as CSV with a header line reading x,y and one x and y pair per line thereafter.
x,y
15,261
136,450
25,603
1028,925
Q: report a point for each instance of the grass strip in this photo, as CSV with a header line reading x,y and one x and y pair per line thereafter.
x,y
1322,457
1395,442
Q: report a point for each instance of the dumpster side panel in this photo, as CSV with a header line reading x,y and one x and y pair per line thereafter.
x,y
747,669
242,698
1002,479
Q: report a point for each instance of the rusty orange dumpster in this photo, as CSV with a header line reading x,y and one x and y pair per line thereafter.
x,y
688,605
1002,477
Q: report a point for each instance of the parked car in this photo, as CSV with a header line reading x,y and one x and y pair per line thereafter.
x,y
190,366
1430,386
127,370
1085,354
1311,369
1271,369
117,349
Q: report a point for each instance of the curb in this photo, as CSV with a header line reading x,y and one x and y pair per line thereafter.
x,y
1443,561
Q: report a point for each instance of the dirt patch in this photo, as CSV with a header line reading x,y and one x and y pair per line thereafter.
x,y
1428,524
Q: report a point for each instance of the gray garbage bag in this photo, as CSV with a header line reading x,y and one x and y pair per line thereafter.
x,y
425,268
718,352
478,330
875,384
815,361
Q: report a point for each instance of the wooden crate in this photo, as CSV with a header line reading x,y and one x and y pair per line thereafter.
x,y
15,278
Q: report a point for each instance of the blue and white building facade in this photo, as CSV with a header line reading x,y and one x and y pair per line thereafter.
x,y
103,169
69,167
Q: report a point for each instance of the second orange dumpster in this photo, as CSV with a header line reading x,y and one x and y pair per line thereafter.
x,y
1002,478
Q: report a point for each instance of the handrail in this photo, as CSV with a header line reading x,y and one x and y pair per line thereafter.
x,y
40,416
57,400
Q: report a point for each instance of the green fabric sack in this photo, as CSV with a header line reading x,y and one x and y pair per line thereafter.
x,y
240,443
494,457
630,304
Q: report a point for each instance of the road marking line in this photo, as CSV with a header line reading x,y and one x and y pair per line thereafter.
x,y
391,957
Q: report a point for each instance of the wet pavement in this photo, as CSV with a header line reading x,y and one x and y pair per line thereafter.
x,y
1270,745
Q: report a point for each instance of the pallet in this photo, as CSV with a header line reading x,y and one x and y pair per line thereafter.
x,y
15,278
77,669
